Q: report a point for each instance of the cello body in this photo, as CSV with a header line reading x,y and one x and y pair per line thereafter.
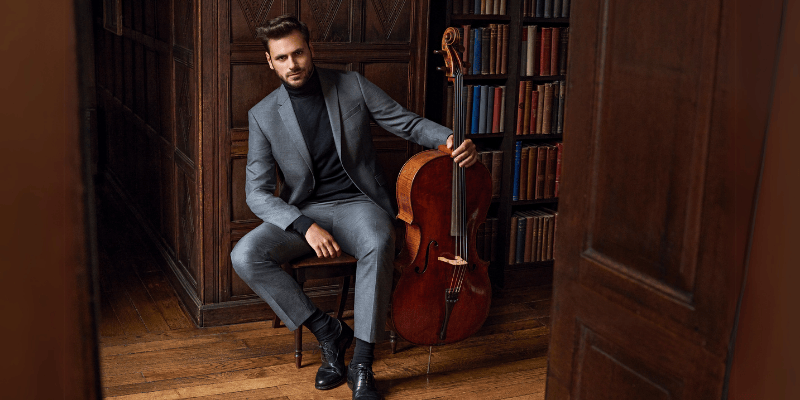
x,y
428,279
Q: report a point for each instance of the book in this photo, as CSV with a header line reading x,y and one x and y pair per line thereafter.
x,y
556,8
548,9
517,155
468,93
497,172
531,52
539,8
533,111
555,109
520,107
555,41
512,239
484,98
476,50
560,147
496,109
544,51
489,7
541,161
532,157
471,6
526,121
502,7
482,8
562,50
466,30
504,48
476,109
539,109
565,9
552,162
548,105
523,59
486,35
492,49
523,173
502,109
530,232
457,7
489,109
522,223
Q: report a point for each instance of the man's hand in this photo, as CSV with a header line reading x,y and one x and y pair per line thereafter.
x,y
466,154
322,242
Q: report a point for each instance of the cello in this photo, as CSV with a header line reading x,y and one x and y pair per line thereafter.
x,y
443,292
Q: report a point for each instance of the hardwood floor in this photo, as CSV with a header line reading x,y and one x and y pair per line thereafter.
x,y
151,350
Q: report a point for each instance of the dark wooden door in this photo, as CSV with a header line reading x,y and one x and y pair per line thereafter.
x,y
659,176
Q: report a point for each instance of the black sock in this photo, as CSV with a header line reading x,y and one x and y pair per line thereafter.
x,y
364,353
322,326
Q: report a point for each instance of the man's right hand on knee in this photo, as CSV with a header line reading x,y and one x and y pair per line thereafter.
x,y
322,242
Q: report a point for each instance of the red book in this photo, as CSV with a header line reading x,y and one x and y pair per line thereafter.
x,y
498,96
544,54
534,110
555,39
520,107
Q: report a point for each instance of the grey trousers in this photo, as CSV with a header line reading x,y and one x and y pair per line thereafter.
x,y
360,227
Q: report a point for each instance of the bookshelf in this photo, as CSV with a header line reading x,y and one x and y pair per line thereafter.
x,y
533,265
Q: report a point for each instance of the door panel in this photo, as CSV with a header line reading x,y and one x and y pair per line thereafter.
x,y
649,265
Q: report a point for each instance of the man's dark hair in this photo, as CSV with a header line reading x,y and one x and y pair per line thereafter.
x,y
280,27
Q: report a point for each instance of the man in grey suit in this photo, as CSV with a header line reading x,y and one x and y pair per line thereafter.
x,y
315,127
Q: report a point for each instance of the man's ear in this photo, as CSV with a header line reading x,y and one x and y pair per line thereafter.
x,y
269,60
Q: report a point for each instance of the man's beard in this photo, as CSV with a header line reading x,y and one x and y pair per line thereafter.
x,y
300,83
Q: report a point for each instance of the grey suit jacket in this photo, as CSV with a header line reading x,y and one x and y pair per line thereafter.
x,y
351,100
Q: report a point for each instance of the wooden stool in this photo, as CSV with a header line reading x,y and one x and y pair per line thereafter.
x,y
312,267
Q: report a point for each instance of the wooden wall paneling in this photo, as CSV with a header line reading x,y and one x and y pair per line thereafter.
x,y
388,21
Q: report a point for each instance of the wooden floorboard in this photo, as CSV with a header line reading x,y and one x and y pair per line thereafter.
x,y
150,349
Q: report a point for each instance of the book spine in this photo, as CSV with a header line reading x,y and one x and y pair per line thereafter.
x,y
496,110
522,223
498,48
517,155
541,161
555,40
503,7
457,7
560,147
550,172
562,51
496,9
534,111
487,127
532,156
512,240
548,8
547,113
492,49
565,9
556,8
476,108
540,8
544,53
486,35
482,110
504,49
465,57
476,55
482,8
523,59
503,109
526,122
531,52
539,109
520,107
476,7
523,173
497,172
530,231
489,6
556,110
468,94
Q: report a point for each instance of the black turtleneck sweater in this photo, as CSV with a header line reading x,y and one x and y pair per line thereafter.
x,y
330,180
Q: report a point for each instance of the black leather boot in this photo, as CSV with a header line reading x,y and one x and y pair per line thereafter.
x,y
333,372
361,379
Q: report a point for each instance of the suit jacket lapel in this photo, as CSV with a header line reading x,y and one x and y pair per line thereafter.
x,y
331,95
293,128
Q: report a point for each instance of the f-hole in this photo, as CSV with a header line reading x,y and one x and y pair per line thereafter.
x,y
427,254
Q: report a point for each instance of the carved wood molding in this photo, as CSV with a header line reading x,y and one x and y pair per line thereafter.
x,y
388,11
256,12
324,11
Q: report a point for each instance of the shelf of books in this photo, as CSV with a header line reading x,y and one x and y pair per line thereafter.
x,y
514,55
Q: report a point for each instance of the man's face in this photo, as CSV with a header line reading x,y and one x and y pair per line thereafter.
x,y
290,58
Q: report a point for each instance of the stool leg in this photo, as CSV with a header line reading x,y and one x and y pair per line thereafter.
x,y
298,346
